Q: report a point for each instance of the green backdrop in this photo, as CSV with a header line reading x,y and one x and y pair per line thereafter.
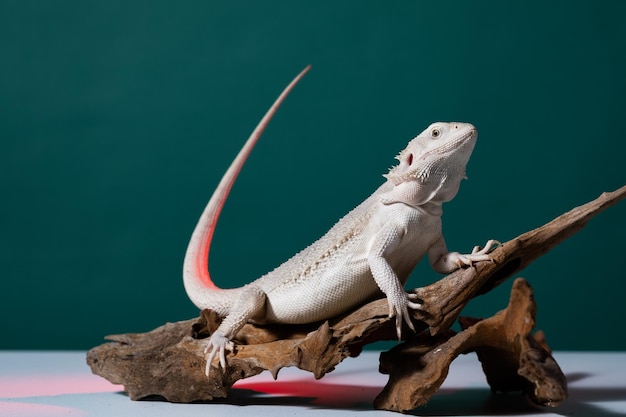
x,y
117,119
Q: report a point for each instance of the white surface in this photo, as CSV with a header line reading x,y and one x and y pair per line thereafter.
x,y
61,384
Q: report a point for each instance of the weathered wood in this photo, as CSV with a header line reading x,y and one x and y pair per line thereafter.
x,y
511,357
169,361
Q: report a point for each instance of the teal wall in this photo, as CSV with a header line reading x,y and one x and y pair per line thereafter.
x,y
117,119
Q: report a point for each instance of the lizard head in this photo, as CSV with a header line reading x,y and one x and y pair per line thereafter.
x,y
432,165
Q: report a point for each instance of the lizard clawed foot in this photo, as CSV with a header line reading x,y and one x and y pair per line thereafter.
x,y
489,246
478,254
218,343
399,307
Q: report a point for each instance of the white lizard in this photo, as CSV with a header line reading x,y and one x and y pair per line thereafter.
x,y
371,250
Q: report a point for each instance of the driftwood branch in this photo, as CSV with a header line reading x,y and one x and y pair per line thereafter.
x,y
445,299
169,361
512,358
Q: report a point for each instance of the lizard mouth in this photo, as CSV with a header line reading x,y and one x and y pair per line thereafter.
x,y
467,133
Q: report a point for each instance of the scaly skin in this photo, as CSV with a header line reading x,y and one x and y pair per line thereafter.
x,y
372,249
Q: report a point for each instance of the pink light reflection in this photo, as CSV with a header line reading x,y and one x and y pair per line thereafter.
x,y
47,385
332,395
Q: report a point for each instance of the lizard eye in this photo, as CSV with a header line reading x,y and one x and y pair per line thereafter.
x,y
435,133
409,160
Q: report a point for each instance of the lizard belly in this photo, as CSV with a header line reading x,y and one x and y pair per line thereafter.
x,y
346,285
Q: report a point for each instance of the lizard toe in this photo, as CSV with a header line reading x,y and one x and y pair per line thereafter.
x,y
489,246
217,344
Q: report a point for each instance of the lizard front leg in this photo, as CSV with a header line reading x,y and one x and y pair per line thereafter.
x,y
446,262
383,246
250,303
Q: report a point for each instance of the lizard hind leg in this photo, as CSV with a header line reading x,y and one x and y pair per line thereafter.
x,y
249,304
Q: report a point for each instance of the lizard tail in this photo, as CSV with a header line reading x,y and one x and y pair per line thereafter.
x,y
196,275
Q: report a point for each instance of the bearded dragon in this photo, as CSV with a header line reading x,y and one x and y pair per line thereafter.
x,y
370,251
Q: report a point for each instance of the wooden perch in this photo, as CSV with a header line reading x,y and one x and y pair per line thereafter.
x,y
169,361
445,299
512,358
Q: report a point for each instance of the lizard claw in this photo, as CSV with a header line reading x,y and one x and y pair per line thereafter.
x,y
401,311
218,343
478,254
489,246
